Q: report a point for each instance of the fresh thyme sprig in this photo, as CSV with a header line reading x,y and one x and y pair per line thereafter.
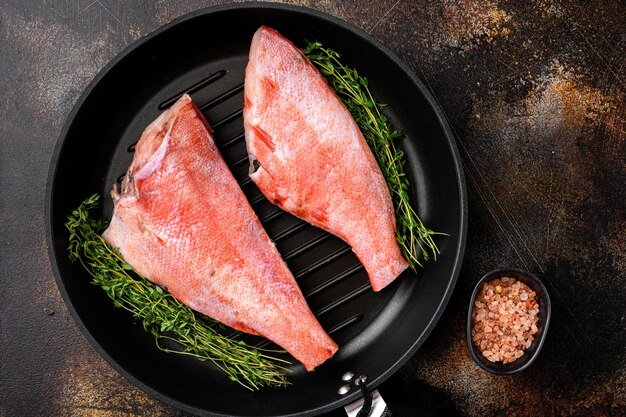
x,y
414,238
166,318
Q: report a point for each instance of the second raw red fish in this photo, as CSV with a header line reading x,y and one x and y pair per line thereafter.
x,y
309,157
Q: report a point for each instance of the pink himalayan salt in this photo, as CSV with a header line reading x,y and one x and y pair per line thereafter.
x,y
506,320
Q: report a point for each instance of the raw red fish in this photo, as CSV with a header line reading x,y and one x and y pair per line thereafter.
x,y
182,221
309,157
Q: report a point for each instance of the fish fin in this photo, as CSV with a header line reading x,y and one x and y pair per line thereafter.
x,y
263,136
155,160
246,102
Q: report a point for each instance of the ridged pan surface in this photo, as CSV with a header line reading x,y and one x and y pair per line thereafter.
x,y
205,53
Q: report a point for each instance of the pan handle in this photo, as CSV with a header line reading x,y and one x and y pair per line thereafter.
x,y
370,405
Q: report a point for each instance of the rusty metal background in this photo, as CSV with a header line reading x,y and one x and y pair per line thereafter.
x,y
535,92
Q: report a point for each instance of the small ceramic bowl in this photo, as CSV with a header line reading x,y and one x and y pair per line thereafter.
x,y
545,309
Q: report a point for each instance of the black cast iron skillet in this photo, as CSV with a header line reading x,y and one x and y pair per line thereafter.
x,y
206,53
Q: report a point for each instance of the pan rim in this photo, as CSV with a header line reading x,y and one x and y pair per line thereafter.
x,y
427,95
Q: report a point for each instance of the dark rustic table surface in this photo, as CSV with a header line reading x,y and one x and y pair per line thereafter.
x,y
535,93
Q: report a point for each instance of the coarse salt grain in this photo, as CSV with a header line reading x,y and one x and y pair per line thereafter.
x,y
506,327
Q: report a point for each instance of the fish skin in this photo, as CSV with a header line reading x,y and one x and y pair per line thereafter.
x,y
182,221
309,157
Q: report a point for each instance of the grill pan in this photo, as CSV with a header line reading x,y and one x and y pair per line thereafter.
x,y
205,53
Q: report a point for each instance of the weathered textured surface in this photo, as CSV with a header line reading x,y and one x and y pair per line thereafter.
x,y
535,92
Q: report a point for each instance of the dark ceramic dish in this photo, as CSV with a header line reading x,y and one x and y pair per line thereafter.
x,y
545,308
